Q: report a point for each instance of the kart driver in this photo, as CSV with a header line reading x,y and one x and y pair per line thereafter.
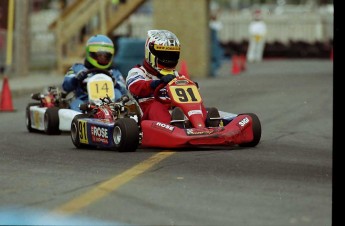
x,y
99,54
162,53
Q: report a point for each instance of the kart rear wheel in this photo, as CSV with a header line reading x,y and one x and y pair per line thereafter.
x,y
213,117
256,125
126,135
51,121
28,116
75,131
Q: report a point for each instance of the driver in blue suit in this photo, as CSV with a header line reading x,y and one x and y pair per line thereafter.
x,y
99,54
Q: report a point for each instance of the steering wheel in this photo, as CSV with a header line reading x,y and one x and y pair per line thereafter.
x,y
98,70
157,92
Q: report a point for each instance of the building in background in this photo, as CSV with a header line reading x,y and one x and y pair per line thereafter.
x,y
297,28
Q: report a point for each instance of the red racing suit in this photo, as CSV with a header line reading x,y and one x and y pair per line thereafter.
x,y
138,83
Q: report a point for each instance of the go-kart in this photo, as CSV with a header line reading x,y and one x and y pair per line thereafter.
x,y
105,123
121,128
51,113
193,128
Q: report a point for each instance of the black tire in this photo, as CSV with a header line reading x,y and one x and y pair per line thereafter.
x,y
51,121
75,131
126,135
28,117
256,125
178,115
213,117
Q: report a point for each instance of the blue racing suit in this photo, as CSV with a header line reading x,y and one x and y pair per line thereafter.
x,y
70,83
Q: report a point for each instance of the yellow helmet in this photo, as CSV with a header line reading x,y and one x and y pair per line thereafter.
x,y
100,51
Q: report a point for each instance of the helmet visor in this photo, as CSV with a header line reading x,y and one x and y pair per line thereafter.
x,y
102,58
167,56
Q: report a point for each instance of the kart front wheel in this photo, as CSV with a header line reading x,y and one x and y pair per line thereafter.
x,y
75,131
126,135
213,117
256,127
177,118
51,121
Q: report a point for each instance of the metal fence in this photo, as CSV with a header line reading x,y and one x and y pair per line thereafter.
x,y
308,27
283,28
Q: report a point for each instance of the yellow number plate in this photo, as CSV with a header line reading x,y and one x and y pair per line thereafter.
x,y
185,94
100,89
82,132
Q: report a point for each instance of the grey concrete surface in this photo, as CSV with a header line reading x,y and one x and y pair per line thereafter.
x,y
34,82
284,181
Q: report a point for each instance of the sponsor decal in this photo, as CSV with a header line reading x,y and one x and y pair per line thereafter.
x,y
181,82
167,48
163,126
194,112
99,134
243,122
204,131
106,120
194,131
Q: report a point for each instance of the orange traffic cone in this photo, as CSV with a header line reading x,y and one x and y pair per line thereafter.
x,y
6,96
236,69
183,69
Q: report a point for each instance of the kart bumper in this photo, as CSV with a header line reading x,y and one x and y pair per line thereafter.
x,y
237,131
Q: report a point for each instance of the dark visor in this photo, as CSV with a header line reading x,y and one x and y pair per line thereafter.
x,y
167,59
102,58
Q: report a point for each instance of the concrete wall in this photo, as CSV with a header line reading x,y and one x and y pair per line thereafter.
x,y
189,20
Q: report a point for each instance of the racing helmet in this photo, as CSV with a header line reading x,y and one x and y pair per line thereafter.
x,y
162,49
100,51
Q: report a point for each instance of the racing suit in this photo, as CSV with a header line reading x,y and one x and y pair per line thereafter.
x,y
138,82
70,83
257,32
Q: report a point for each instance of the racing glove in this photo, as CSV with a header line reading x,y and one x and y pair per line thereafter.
x,y
167,78
81,75
155,83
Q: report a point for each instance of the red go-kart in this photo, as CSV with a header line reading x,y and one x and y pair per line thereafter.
x,y
190,127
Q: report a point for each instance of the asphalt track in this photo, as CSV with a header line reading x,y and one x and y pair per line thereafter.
x,y
285,180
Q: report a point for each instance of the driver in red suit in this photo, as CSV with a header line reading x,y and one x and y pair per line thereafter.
x,y
162,53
